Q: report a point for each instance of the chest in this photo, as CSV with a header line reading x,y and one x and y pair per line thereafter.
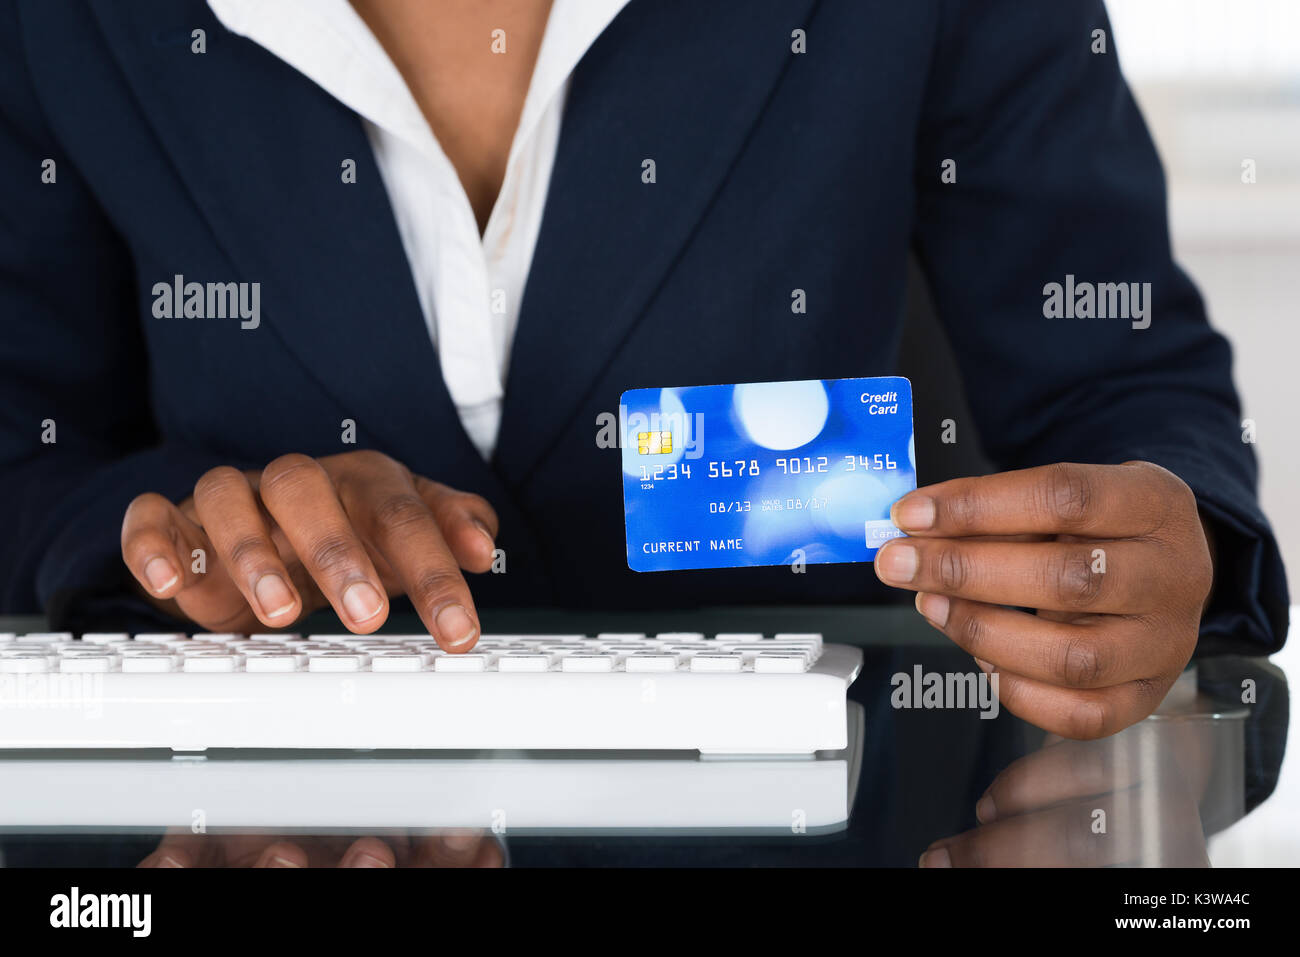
x,y
468,66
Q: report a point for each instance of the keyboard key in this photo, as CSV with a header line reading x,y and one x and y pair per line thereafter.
x,y
274,663
587,664
771,648
104,637
767,663
150,663
335,661
810,639
460,663
524,663
396,661
87,664
25,665
650,662
46,637
716,664
209,663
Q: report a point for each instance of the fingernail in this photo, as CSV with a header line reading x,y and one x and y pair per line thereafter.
x,y
934,608
455,626
160,574
913,513
984,665
362,602
167,861
492,542
986,810
273,596
935,858
897,563
278,861
362,859
461,840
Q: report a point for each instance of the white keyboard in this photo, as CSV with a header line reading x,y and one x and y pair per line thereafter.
x,y
727,694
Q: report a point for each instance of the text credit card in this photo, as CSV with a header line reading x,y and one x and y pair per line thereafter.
x,y
764,473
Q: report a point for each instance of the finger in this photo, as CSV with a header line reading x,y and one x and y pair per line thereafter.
x,y
1097,501
159,544
403,529
169,857
368,852
229,512
1108,578
180,848
469,524
454,847
153,534
302,500
161,858
1073,713
282,854
1097,653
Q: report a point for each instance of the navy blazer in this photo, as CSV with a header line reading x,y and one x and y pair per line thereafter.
x,y
775,171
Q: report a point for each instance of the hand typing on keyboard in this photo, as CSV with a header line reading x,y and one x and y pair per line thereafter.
x,y
345,530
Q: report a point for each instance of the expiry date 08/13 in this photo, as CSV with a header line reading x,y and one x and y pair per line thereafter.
x,y
768,505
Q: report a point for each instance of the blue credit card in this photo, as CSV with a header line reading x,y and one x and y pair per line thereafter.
x,y
764,473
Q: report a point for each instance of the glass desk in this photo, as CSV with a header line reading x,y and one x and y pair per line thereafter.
x,y
909,780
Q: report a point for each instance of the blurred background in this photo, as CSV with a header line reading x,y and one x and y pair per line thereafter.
x,y
1219,83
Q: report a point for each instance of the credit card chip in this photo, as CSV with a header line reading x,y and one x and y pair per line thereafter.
x,y
654,443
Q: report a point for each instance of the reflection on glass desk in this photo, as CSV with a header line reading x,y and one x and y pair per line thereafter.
x,y
908,784
515,792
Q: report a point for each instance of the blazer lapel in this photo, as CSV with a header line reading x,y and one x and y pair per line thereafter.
x,y
678,83
260,149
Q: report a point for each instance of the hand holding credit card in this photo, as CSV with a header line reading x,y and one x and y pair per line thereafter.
x,y
767,473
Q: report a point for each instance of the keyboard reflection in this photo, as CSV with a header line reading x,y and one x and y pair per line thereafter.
x,y
343,795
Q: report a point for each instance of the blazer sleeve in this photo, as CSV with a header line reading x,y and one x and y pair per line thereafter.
x,y
1057,181
77,432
